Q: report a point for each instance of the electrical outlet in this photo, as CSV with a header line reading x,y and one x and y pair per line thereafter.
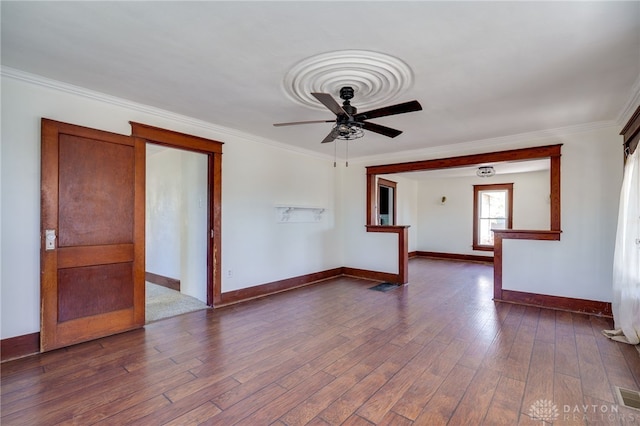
x,y
229,273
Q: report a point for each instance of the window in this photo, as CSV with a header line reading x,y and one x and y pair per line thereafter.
x,y
492,209
386,202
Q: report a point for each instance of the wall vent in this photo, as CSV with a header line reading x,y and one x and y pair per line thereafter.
x,y
629,398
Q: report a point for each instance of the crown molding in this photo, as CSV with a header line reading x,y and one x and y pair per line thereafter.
x,y
220,131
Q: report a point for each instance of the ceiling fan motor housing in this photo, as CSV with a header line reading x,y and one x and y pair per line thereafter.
x,y
347,93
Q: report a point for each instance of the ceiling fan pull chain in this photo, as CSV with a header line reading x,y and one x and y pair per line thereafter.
x,y
347,162
335,153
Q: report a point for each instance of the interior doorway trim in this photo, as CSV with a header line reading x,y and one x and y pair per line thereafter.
x,y
552,152
213,150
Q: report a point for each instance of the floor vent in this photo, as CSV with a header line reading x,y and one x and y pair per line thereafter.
x,y
629,398
384,287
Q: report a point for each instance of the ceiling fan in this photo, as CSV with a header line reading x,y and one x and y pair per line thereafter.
x,y
349,124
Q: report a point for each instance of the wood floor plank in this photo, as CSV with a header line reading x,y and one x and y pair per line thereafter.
x,y
177,408
245,407
503,409
594,378
282,404
50,395
566,355
345,406
413,400
101,400
567,394
302,365
539,384
355,420
352,354
196,416
380,403
102,406
546,330
474,405
394,419
312,406
436,351
196,385
441,406
139,410
630,354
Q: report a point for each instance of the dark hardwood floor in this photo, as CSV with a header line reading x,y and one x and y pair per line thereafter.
x,y
436,351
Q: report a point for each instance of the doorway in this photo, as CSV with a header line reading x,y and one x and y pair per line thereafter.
x,y
176,231
93,227
212,202
386,202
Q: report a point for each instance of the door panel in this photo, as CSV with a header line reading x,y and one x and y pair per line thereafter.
x,y
96,192
93,290
92,282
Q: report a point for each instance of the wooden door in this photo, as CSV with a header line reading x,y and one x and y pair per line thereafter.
x,y
92,273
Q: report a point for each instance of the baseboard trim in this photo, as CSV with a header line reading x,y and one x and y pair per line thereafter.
x,y
163,281
19,346
454,256
370,275
279,286
236,296
582,306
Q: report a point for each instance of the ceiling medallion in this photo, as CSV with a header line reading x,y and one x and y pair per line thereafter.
x,y
375,77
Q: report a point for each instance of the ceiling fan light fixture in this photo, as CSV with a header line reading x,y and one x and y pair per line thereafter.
x,y
485,171
348,131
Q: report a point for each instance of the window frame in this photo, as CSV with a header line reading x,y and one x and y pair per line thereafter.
x,y
477,189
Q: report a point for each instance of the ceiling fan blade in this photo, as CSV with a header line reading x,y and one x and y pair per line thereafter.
x,y
383,130
294,123
390,110
328,101
330,137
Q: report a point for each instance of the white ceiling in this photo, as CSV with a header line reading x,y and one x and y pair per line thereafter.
x,y
480,69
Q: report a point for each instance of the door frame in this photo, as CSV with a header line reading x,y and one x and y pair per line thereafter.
x,y
213,150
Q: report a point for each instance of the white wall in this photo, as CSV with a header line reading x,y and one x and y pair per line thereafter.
x,y
256,176
580,265
256,248
176,218
163,213
448,227
362,249
194,232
